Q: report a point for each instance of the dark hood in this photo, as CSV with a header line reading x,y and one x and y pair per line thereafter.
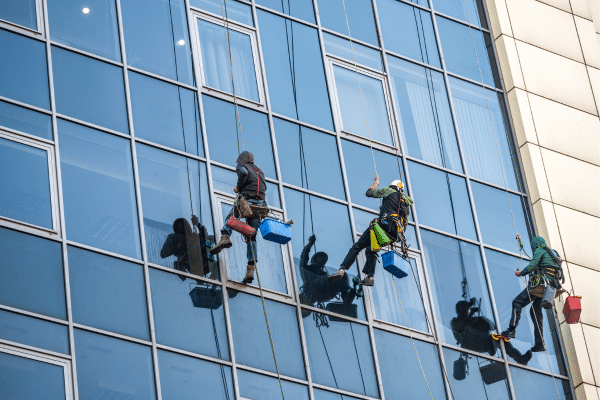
x,y
245,157
536,242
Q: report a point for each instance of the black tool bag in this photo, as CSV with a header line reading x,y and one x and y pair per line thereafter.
x,y
209,298
460,369
492,373
350,310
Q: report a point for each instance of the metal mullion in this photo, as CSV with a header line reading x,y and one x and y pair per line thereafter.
x,y
17,225
452,235
191,354
93,126
460,21
536,370
25,105
284,15
86,54
220,19
270,374
343,392
303,124
38,350
267,293
485,356
170,149
21,30
507,252
104,252
435,166
160,78
186,274
222,95
33,315
473,81
354,40
504,189
112,334
368,71
471,200
315,194
333,314
403,331
420,63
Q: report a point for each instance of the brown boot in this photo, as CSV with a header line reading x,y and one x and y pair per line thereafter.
x,y
224,243
249,274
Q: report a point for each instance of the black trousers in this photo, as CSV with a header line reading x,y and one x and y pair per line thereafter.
x,y
364,243
522,300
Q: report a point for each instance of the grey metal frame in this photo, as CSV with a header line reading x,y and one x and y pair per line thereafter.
x,y
371,322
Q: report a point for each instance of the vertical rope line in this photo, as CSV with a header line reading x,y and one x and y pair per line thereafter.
x,y
223,377
357,359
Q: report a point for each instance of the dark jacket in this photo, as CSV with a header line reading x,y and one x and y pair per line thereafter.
x,y
394,202
251,180
542,262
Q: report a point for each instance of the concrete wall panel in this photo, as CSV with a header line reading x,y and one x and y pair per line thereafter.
x,y
580,234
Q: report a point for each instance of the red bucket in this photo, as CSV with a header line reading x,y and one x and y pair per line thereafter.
x,y
572,309
239,226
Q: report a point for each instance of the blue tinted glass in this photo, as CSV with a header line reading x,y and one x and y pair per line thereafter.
x,y
496,218
251,337
354,15
108,293
225,180
157,39
24,379
89,90
408,31
19,12
25,77
424,114
400,370
25,184
465,51
360,171
112,368
533,386
442,201
236,11
217,68
255,386
294,68
486,138
165,114
222,138
309,159
34,332
31,276
188,316
460,294
323,395
302,9
184,377
328,222
506,287
388,289
364,55
466,10
362,220
89,25
25,120
355,103
97,178
340,355
476,378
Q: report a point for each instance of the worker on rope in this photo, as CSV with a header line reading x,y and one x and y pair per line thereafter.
x,y
393,215
543,267
252,187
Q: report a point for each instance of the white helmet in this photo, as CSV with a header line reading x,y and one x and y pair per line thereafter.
x,y
397,184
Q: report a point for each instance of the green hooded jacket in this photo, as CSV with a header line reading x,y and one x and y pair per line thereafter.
x,y
541,262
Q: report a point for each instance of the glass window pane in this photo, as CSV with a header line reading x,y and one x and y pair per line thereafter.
x,y
168,184
351,105
424,114
255,386
108,293
340,355
98,190
466,10
112,368
236,11
225,180
465,51
294,69
221,132
364,55
24,379
19,12
506,287
31,277
322,173
408,31
496,218
88,25
216,63
180,322
400,370
472,377
89,90
251,337
533,386
25,120
486,139
359,16
302,9
165,114
442,201
323,395
24,179
269,259
25,77
184,377
34,332
157,39
360,171
460,293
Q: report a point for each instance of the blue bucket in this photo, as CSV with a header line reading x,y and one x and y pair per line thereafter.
x,y
395,264
275,231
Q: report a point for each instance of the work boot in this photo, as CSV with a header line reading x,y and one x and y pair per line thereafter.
x,y
524,359
249,274
538,347
224,243
339,274
368,281
510,332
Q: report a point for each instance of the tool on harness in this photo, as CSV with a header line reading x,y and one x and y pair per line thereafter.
x,y
358,287
206,297
461,368
379,237
395,264
572,309
499,336
276,231
240,226
349,310
242,206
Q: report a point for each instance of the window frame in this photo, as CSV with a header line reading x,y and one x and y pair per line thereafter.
x,y
196,15
31,141
39,16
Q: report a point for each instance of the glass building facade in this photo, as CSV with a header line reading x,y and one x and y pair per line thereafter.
x,y
118,117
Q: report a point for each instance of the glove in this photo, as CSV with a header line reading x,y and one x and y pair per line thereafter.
x,y
312,239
